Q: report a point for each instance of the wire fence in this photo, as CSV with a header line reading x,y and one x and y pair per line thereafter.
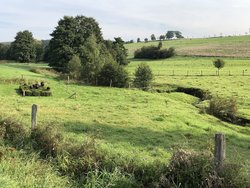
x,y
202,73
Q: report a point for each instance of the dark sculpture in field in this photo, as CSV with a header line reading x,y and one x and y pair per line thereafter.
x,y
37,89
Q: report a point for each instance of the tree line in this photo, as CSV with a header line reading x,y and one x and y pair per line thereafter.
x,y
24,48
168,36
77,48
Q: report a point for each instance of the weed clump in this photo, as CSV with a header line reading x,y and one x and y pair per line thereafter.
x,y
12,133
196,169
47,141
223,108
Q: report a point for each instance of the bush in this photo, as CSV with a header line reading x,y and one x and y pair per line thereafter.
x,y
113,74
47,141
196,169
12,133
223,108
78,160
143,76
154,52
188,169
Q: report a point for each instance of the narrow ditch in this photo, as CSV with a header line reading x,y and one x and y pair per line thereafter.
x,y
206,95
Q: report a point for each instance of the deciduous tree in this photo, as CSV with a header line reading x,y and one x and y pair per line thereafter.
x,y
23,48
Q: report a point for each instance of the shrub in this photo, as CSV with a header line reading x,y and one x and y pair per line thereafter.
x,y
47,141
154,52
78,160
188,169
13,133
75,67
223,108
143,76
196,169
114,74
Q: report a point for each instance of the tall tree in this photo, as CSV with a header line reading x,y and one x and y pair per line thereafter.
x,y
117,50
170,34
162,37
23,49
68,39
4,49
138,40
121,52
92,59
178,35
153,38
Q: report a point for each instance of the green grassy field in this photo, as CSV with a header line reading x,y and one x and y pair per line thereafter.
x,y
130,125
223,47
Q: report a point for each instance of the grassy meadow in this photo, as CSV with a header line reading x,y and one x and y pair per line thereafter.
x,y
130,124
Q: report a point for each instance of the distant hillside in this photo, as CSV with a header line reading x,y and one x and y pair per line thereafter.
x,y
237,46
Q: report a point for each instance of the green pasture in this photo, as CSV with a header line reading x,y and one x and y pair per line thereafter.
x,y
134,125
200,73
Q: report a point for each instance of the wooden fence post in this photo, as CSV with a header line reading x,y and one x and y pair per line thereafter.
x,y
219,150
33,117
110,84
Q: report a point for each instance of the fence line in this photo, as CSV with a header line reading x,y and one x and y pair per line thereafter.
x,y
202,73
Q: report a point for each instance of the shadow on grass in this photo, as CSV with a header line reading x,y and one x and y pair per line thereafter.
x,y
148,138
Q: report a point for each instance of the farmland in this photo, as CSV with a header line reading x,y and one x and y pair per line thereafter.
x,y
234,46
134,126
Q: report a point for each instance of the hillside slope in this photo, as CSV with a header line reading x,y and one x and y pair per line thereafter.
x,y
237,46
130,123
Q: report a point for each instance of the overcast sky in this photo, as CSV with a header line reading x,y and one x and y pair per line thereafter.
x,y
128,18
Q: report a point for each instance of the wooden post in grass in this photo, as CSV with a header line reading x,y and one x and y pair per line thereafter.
x,y
68,80
219,150
187,73
201,73
173,72
33,116
110,84
243,73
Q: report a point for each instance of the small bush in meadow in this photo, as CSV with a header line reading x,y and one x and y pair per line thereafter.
x,y
223,108
13,133
47,141
188,168
114,75
154,52
196,169
143,76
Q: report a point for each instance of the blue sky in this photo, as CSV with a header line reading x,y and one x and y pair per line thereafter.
x,y
128,18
